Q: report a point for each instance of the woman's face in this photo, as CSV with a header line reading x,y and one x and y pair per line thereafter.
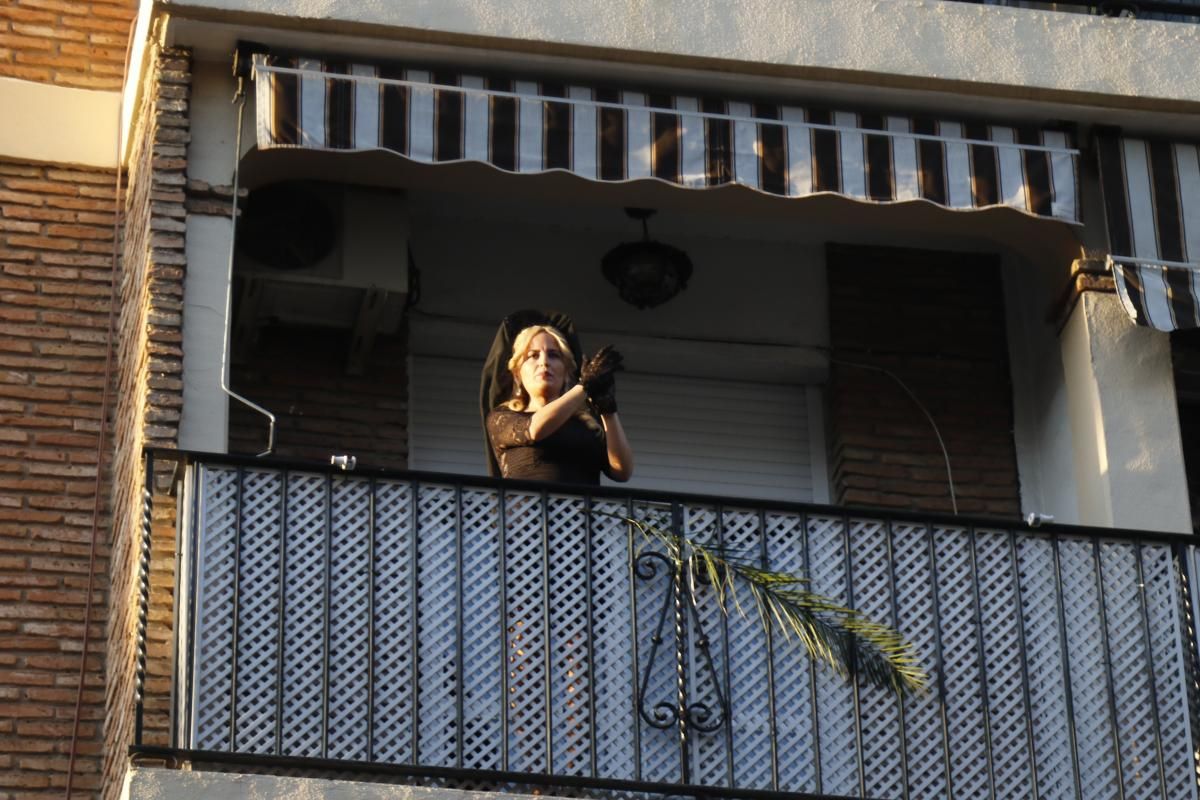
x,y
544,369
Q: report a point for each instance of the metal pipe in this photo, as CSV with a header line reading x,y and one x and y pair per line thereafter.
x,y
1065,656
589,611
326,623
772,721
1150,671
680,645
1023,649
179,652
1109,683
1185,572
633,640
928,416
984,699
193,543
237,607
814,708
941,662
143,597
848,565
704,115
546,665
239,98
415,610
459,621
730,764
98,495
282,605
622,494
504,643
889,533
372,540
681,654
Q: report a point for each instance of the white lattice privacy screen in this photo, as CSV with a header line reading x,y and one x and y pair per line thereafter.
x,y
397,621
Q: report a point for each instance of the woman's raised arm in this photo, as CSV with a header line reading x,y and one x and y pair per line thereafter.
x,y
620,454
550,417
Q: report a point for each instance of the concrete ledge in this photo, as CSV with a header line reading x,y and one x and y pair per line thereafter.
x,y
155,783
1015,52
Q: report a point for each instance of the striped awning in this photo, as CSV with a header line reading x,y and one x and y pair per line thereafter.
x,y
1152,205
694,142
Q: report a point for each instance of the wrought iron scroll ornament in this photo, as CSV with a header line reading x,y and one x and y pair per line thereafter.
x,y
698,716
853,645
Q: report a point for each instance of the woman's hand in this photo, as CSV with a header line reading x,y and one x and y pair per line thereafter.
x,y
598,380
599,368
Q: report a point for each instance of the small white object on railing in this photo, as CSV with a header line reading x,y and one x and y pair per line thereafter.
x,y
345,463
1035,519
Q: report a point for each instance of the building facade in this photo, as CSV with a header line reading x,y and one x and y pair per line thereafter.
x,y
61,67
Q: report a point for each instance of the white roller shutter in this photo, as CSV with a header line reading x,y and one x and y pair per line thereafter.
x,y
701,435
718,437
444,433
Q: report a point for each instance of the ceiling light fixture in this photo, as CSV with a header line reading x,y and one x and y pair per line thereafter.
x,y
646,273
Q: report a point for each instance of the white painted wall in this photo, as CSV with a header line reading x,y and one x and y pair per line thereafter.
x,y
1041,427
214,123
134,80
896,41
58,124
203,423
1124,421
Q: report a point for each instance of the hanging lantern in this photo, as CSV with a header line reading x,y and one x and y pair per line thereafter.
x,y
646,273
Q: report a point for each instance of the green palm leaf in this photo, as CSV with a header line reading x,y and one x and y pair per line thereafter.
x,y
846,640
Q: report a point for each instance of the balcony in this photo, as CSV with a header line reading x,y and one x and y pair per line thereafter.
x,y
489,633
1172,10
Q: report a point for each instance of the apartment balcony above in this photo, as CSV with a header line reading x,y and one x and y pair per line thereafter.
x,y
1027,62
1168,10
508,636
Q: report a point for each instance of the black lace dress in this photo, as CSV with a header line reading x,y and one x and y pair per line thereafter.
x,y
575,453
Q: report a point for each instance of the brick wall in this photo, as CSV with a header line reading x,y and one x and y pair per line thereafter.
x,y
78,43
936,321
55,259
299,375
149,399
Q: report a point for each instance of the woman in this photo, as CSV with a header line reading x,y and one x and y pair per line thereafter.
x,y
546,432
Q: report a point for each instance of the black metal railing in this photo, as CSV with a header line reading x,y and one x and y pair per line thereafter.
x,y
1170,10
450,626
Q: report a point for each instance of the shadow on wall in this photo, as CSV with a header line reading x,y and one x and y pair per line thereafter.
x,y
299,374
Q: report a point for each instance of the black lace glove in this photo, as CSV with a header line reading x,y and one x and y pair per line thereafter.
x,y
597,379
604,401
598,370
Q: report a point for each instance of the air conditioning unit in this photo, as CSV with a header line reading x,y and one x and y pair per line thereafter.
x,y
317,254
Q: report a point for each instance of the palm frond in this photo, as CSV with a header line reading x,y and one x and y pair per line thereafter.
x,y
846,640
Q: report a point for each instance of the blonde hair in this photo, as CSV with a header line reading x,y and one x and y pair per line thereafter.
x,y
521,347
